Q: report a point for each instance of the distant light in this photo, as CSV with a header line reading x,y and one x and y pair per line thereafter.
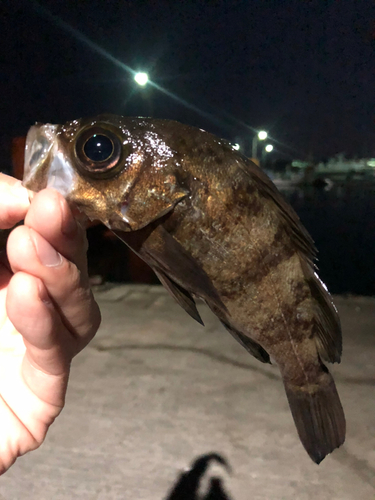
x,y
371,162
269,148
262,135
141,78
236,146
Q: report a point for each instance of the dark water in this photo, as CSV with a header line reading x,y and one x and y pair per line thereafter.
x,y
342,222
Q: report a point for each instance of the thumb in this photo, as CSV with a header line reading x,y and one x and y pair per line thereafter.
x,y
14,201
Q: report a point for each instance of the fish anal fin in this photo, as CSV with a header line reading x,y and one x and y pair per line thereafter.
x,y
182,296
318,416
250,345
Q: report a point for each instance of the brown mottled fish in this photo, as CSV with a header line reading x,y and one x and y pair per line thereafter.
x,y
210,224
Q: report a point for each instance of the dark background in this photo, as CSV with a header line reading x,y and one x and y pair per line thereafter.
x,y
303,70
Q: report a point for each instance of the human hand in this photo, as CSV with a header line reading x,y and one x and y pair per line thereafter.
x,y
47,314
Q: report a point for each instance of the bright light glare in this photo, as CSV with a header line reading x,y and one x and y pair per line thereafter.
x,y
269,148
262,135
236,146
141,78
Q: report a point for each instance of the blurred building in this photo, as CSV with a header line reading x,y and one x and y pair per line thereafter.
x,y
341,164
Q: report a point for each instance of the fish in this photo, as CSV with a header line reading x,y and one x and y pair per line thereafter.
x,y
211,225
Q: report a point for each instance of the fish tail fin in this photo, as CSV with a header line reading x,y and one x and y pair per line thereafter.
x,y
318,415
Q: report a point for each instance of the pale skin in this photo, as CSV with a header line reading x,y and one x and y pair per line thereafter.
x,y
47,314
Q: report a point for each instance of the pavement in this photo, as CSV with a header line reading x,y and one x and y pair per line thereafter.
x,y
155,392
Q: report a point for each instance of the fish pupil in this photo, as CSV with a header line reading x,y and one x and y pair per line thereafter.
x,y
98,148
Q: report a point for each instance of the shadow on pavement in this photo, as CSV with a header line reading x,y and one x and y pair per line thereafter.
x,y
188,485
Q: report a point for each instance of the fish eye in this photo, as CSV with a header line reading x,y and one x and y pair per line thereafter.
x,y
99,151
98,148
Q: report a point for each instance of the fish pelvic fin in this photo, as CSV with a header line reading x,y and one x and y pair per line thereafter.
x,y
249,344
182,296
318,416
328,336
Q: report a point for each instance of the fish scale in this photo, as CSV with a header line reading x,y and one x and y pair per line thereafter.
x,y
211,225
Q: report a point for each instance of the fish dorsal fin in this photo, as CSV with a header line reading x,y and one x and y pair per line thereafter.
x,y
298,234
328,329
250,345
182,296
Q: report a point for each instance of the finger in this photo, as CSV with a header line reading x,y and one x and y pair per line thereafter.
x,y
68,288
35,317
33,384
51,217
14,201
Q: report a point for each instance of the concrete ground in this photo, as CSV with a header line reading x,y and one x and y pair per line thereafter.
x,y
155,391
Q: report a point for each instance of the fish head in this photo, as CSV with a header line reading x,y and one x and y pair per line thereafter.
x,y
117,170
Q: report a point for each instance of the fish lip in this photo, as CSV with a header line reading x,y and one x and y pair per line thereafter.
x,y
118,224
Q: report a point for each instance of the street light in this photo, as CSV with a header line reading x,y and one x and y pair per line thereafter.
x,y
261,136
269,148
141,78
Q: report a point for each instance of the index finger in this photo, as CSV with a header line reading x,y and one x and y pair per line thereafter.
x,y
14,201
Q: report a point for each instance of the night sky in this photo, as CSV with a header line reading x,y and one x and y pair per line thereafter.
x,y
303,70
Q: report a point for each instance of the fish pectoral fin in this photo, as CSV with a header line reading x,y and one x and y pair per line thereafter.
x,y
178,271
182,296
164,253
250,345
318,415
328,329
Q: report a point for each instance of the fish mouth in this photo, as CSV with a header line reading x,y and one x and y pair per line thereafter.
x,y
46,165
39,143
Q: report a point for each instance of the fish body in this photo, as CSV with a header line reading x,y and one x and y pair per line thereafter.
x,y
212,225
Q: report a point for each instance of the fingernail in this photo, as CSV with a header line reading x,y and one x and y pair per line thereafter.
x,y
68,223
43,294
46,253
